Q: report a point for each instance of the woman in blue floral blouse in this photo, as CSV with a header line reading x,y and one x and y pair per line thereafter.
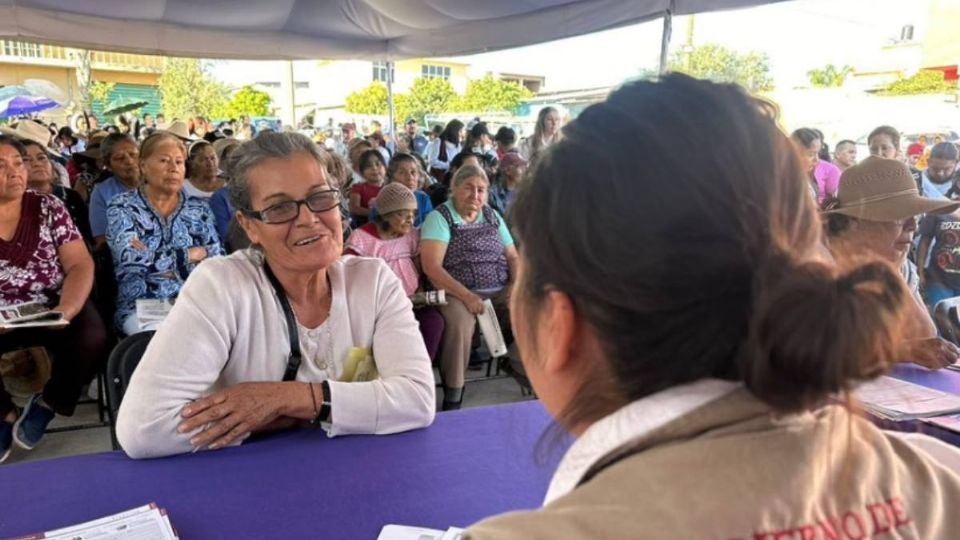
x,y
157,234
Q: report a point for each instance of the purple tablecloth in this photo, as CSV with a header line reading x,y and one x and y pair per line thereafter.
x,y
469,465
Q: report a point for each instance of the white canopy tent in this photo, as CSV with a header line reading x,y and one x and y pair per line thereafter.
x,y
330,29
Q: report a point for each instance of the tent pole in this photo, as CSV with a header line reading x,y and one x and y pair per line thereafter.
x,y
667,34
292,116
390,108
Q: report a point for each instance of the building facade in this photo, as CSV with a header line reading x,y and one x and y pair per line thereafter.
x,y
134,76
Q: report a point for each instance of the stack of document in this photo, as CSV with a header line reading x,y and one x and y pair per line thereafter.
x,y
490,330
28,315
402,532
147,521
897,400
152,311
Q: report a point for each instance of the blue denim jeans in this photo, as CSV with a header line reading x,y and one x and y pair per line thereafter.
x,y
935,292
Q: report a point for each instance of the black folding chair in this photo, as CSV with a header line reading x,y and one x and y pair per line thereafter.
x,y
123,360
947,319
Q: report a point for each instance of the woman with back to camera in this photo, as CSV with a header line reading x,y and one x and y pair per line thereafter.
x,y
705,411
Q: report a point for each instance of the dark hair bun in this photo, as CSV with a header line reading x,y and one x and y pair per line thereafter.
x,y
815,334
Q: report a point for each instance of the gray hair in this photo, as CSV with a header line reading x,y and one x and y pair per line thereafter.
x,y
467,172
267,145
108,142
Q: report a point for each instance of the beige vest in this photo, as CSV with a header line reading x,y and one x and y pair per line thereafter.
x,y
731,470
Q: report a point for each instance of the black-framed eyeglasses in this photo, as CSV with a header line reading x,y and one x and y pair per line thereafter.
x,y
318,202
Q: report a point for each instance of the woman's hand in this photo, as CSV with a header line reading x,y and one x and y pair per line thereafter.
x,y
232,414
474,304
136,244
68,312
197,254
933,353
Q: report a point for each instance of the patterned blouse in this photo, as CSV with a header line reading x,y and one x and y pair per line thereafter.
x,y
159,271
30,268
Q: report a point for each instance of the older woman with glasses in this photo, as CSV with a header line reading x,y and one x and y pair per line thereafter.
x,y
286,333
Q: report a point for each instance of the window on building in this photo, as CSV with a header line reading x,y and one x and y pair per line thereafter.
x,y
434,72
19,48
269,84
302,84
380,72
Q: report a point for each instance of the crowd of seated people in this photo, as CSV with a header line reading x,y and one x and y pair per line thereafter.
x,y
160,205
152,207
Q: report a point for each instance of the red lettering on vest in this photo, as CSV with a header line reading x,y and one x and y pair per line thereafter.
x,y
884,516
830,528
881,516
853,526
900,517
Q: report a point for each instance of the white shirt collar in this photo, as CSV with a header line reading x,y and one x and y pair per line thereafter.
x,y
631,422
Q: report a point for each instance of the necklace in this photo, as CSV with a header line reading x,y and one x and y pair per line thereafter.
x,y
312,341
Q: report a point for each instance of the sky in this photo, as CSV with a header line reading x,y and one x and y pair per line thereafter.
x,y
797,36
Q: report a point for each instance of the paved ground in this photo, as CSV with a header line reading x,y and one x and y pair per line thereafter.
x,y
86,441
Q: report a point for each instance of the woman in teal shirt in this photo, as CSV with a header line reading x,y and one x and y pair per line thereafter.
x,y
467,250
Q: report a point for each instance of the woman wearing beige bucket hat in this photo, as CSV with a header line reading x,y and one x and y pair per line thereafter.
x,y
875,215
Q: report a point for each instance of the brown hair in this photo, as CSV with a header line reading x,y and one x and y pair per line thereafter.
x,y
194,152
17,144
536,142
400,159
889,131
338,170
150,144
710,284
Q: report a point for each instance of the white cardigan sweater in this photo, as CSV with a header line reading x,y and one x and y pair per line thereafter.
x,y
227,327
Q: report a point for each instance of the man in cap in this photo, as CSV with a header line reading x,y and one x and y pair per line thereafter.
x,y
411,141
348,132
874,216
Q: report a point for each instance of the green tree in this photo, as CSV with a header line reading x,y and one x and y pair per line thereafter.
x,y
186,89
427,95
247,100
490,94
928,81
714,62
829,76
99,92
370,100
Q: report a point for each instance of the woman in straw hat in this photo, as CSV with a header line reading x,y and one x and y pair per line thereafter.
x,y
874,215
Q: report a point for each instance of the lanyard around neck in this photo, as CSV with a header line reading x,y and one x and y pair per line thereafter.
x,y
293,361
